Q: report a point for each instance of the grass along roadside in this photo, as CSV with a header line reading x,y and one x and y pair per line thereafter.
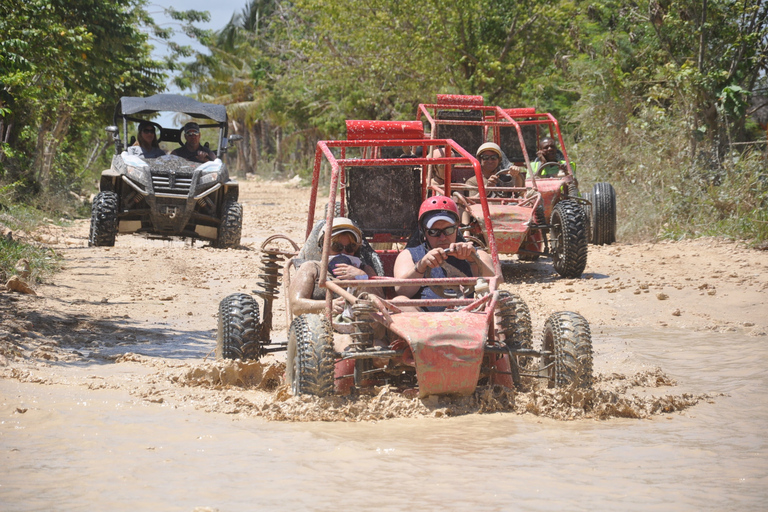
x,y
16,244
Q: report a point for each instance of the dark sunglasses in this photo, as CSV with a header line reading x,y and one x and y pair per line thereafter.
x,y
489,157
148,130
349,248
445,231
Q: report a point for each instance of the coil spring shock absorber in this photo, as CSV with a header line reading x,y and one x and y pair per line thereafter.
x,y
362,335
271,264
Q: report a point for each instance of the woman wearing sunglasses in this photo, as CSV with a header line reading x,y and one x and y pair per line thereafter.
x,y
440,253
304,294
147,141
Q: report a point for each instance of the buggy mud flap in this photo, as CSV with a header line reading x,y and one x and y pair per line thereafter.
x,y
510,224
447,349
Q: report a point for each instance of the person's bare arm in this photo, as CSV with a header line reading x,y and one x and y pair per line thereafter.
x,y
300,293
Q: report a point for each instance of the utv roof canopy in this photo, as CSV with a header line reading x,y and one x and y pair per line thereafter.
x,y
169,103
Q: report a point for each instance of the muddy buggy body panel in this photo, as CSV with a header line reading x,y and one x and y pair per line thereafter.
x,y
169,196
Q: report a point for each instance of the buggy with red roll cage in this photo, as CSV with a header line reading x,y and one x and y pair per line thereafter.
x,y
482,337
547,217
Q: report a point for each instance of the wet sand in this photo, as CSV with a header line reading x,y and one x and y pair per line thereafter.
x,y
109,398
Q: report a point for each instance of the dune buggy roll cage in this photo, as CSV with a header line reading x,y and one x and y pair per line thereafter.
x,y
454,114
370,137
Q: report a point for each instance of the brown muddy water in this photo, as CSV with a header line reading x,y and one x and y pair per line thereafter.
x,y
71,448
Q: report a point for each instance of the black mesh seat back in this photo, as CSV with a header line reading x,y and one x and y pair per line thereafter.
x,y
467,136
384,200
510,142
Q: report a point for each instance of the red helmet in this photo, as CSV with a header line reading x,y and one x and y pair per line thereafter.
x,y
438,203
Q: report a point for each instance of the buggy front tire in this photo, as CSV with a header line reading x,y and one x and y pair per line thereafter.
x,y
103,220
231,226
239,327
569,240
311,358
568,342
513,324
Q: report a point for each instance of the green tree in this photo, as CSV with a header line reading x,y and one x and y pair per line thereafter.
x,y
63,64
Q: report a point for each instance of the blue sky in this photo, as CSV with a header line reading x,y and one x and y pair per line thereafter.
x,y
221,12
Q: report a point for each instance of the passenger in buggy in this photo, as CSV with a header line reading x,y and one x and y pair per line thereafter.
x,y
438,252
146,142
497,171
548,153
344,263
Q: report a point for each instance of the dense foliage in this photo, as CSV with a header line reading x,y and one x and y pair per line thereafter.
x,y
63,65
655,96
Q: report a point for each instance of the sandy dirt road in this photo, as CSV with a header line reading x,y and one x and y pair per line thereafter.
x,y
155,303
110,398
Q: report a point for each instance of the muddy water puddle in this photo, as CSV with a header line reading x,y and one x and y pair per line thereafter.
x,y
74,447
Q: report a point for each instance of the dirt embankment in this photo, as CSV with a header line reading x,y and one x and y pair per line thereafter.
x,y
142,316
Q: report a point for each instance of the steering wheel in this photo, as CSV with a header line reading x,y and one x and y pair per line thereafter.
x,y
547,164
451,291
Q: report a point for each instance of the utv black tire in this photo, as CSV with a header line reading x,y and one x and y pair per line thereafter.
x,y
569,240
231,226
603,214
567,337
513,325
311,357
104,220
239,327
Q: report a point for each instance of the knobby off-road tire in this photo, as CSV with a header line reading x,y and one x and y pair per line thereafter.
x,y
239,327
603,214
104,220
567,336
588,216
311,357
231,226
569,240
513,327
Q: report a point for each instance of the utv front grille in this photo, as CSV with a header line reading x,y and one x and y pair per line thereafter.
x,y
171,184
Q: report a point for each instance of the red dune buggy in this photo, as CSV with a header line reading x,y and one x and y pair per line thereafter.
x,y
546,217
483,337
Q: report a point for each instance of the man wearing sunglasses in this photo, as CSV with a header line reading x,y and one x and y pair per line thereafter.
x,y
304,294
497,171
440,253
192,150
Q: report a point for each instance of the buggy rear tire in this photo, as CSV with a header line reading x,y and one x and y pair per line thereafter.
x,y
569,240
238,333
311,357
103,220
513,327
231,226
603,214
588,223
568,338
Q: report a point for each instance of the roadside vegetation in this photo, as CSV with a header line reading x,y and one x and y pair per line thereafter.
x,y
665,99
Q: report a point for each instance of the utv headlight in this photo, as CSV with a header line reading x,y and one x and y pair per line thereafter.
x,y
209,177
137,174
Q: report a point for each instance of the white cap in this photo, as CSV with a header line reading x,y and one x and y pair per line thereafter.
x,y
433,220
